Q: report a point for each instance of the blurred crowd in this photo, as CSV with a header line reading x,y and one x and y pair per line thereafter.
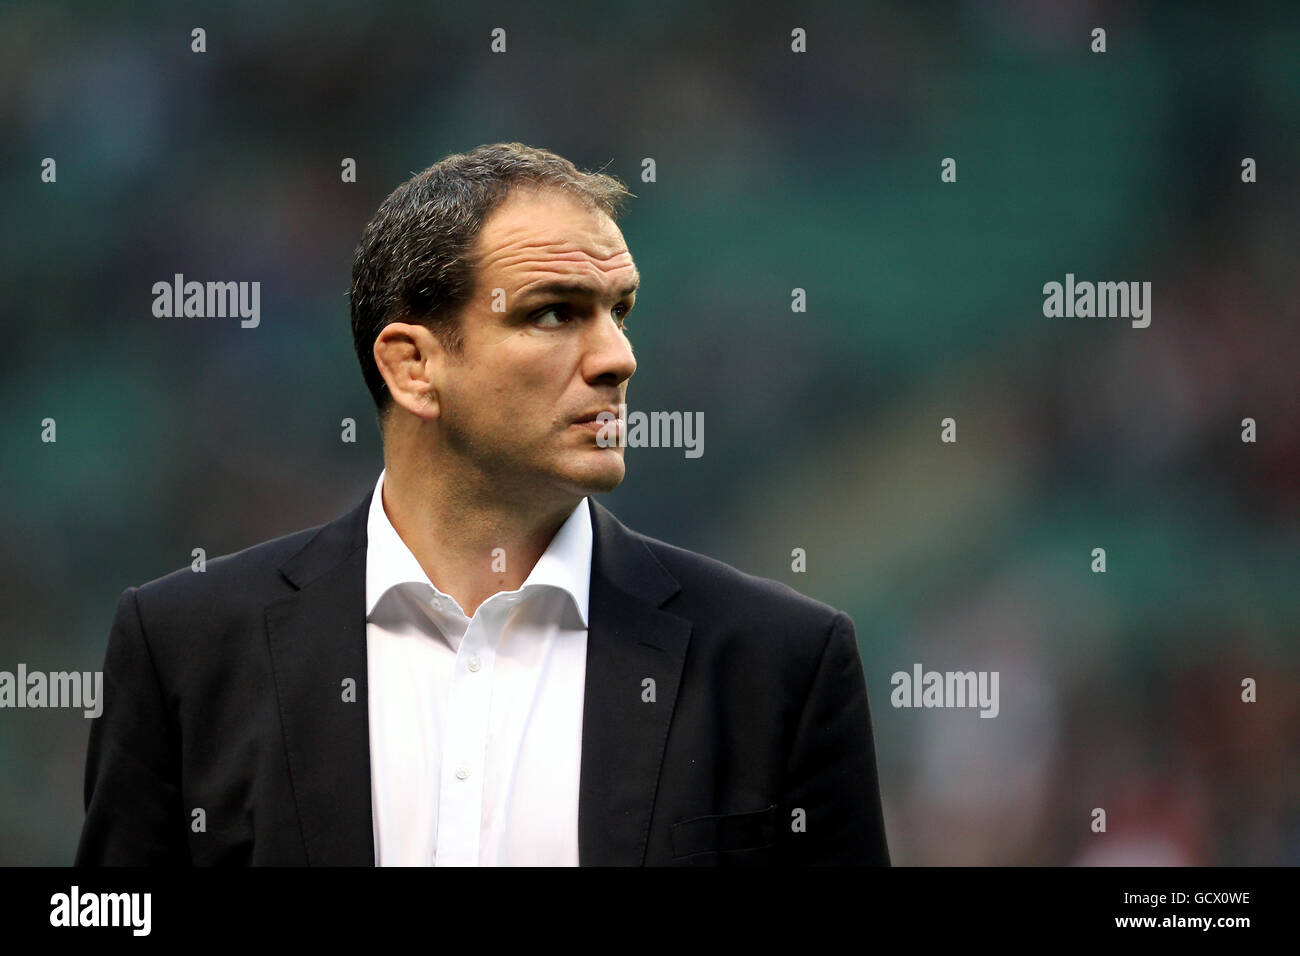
x,y
774,171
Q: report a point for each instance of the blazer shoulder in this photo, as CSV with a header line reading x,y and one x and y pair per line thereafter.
x,y
739,594
241,576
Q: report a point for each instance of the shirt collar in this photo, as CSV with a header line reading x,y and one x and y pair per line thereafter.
x,y
565,565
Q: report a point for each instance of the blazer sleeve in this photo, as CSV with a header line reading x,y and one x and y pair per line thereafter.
x,y
134,811
831,773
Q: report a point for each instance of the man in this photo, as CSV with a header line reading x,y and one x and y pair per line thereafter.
x,y
479,665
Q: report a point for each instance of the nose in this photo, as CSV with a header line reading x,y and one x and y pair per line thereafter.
x,y
608,359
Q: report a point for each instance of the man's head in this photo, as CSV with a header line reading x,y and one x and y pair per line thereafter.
x,y
488,295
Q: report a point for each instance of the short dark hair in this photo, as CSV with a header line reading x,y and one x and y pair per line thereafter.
x,y
413,262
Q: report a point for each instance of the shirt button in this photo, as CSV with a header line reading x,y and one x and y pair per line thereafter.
x,y
462,772
475,663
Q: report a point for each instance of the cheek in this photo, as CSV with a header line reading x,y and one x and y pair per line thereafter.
x,y
536,369
518,384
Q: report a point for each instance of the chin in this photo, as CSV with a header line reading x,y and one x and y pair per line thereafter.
x,y
597,478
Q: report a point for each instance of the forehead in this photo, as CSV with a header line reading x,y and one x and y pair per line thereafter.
x,y
536,235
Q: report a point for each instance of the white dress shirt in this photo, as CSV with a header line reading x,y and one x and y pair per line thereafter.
x,y
476,723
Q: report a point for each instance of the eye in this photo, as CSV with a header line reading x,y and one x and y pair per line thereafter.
x,y
621,313
557,310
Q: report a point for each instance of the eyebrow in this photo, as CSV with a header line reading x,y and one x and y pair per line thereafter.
x,y
582,290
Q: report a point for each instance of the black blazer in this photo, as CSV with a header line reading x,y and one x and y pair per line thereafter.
x,y
223,693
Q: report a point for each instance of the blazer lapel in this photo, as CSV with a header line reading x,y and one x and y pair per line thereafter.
x,y
318,642
630,641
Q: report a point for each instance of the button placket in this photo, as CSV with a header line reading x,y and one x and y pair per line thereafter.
x,y
465,749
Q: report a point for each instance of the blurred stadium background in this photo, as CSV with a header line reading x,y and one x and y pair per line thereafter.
x,y
775,170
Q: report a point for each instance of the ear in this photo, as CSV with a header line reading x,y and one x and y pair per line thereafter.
x,y
411,359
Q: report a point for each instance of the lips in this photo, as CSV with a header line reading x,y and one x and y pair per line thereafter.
x,y
593,416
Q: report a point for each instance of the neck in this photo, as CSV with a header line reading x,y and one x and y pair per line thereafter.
x,y
470,540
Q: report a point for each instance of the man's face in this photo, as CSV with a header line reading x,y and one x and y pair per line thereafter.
x,y
512,402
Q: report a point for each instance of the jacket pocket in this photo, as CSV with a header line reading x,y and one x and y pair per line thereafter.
x,y
750,830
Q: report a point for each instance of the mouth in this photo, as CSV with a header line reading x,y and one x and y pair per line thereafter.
x,y
610,424
593,418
